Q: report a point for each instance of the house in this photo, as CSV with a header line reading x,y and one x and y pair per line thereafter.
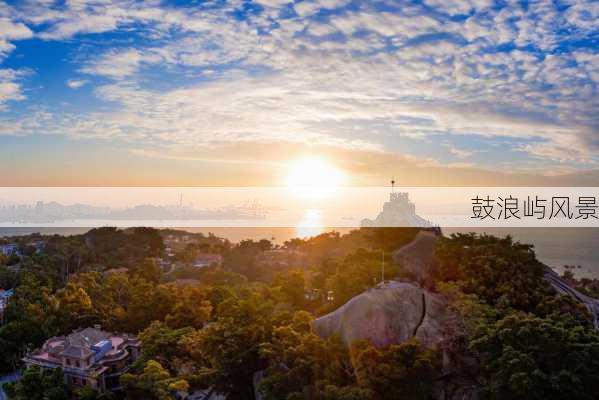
x,y
187,282
88,357
9,249
39,245
112,271
206,259
4,296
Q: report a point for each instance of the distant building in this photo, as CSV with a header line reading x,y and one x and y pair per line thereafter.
x,y
4,296
187,282
88,357
206,259
283,257
399,211
169,251
39,245
164,264
9,249
113,271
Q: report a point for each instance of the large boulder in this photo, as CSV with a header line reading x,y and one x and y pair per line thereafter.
x,y
390,313
395,312
418,257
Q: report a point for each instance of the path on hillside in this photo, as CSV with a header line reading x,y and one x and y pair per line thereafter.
x,y
562,287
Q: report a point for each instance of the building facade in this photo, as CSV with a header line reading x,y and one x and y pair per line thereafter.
x,y
5,295
88,357
207,259
9,249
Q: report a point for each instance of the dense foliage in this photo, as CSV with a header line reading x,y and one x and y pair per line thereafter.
x,y
244,326
530,342
39,384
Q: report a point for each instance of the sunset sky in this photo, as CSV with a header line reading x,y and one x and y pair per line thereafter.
x,y
455,92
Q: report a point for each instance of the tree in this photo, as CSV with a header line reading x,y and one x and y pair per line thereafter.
x,y
148,270
501,272
39,384
227,351
73,308
155,382
293,287
300,362
527,357
356,273
401,371
87,393
191,308
161,343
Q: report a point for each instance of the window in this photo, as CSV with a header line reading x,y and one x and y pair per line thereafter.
x,y
68,362
77,363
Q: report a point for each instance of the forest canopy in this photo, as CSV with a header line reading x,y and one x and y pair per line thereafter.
x,y
243,327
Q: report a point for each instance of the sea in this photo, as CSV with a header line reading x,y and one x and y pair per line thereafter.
x,y
556,247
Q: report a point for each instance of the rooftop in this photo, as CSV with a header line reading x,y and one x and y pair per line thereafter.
x,y
82,344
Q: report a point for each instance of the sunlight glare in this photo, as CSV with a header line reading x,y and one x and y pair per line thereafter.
x,y
314,178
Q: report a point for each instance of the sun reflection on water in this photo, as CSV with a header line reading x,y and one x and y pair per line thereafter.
x,y
310,224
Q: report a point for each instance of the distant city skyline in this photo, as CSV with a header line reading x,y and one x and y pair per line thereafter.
x,y
190,93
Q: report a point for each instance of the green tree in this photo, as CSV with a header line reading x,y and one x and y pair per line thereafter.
x,y
501,272
227,351
155,382
401,371
356,273
191,308
161,343
527,357
39,384
300,362
292,285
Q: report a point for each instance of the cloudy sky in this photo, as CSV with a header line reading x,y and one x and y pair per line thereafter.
x,y
101,92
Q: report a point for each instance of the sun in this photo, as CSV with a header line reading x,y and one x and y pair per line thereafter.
x,y
314,178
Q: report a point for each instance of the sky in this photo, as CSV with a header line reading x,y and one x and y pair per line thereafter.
x,y
434,92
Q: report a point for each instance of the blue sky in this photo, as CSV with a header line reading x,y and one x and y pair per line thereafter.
x,y
201,86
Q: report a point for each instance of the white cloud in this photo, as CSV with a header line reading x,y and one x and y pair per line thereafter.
x,y
10,30
76,83
273,3
309,7
10,89
378,70
119,64
455,7
14,30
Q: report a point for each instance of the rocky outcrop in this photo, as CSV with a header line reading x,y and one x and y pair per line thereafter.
x,y
418,257
391,313
395,312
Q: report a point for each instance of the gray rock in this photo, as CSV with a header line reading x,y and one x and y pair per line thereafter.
x,y
418,256
391,313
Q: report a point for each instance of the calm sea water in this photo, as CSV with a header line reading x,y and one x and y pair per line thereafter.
x,y
555,247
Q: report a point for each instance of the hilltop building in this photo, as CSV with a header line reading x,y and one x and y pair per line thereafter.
x,y
399,211
89,357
